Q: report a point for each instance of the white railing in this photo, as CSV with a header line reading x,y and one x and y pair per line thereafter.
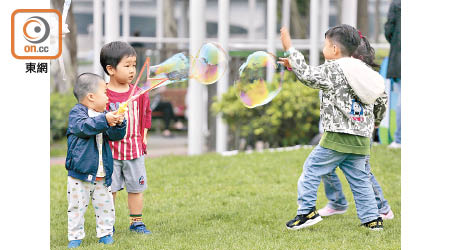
x,y
237,43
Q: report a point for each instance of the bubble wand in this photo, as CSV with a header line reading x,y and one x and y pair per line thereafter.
x,y
123,107
207,67
146,64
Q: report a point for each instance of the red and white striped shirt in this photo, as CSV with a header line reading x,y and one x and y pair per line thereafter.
x,y
139,117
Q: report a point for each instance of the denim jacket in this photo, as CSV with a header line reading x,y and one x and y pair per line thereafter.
x,y
353,95
82,153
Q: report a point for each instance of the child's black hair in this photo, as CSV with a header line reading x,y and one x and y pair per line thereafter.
x,y
366,53
346,36
113,52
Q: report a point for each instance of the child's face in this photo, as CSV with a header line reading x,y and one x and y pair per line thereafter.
x,y
125,70
99,98
330,50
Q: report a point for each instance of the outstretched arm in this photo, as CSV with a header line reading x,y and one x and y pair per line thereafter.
x,y
314,77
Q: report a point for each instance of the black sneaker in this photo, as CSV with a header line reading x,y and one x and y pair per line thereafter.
x,y
375,225
304,220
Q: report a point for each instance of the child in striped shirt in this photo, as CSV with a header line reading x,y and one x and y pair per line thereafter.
x,y
118,60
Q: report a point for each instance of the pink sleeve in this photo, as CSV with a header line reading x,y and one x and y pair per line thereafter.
x,y
148,112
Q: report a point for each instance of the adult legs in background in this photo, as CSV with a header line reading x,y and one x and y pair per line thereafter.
x,y
398,131
168,115
398,112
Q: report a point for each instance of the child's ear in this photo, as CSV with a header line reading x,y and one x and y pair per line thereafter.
x,y
336,50
110,70
90,97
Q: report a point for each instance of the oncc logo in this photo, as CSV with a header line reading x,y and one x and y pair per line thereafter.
x,y
36,29
36,34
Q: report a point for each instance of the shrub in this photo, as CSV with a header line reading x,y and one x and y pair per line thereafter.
x,y
60,106
291,118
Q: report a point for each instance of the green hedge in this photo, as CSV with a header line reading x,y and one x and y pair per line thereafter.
x,y
291,118
60,106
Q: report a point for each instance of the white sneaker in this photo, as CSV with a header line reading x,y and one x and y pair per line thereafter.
x,y
395,145
387,216
328,211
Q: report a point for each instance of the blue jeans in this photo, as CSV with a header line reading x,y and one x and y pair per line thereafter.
x,y
398,112
336,198
323,161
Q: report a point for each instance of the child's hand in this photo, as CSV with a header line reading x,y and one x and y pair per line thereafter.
x,y
112,118
285,62
285,39
144,140
121,118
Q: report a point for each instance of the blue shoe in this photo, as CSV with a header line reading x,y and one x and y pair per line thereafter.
x,y
74,244
139,227
108,239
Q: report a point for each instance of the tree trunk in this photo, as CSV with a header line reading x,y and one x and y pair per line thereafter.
x,y
299,19
170,28
339,11
362,18
69,54
377,21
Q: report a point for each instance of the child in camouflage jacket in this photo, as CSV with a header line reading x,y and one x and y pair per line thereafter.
x,y
353,102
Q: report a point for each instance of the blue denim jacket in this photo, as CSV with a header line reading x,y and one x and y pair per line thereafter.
x,y
82,153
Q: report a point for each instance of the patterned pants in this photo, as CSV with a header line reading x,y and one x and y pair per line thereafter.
x,y
79,193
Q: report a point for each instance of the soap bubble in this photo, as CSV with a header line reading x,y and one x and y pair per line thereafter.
x,y
174,69
209,64
260,79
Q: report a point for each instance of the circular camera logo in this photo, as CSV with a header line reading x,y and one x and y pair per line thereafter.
x,y
36,34
36,29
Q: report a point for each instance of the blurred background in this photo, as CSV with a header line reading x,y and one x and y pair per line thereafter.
x,y
209,118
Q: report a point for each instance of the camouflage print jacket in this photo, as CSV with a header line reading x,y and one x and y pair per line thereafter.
x,y
353,95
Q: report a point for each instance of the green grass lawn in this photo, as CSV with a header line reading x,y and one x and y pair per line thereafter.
x,y
58,148
236,202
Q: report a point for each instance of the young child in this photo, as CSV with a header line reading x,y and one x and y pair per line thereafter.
x,y
118,60
89,160
353,100
333,189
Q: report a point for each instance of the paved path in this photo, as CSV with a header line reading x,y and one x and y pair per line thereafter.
x,y
157,146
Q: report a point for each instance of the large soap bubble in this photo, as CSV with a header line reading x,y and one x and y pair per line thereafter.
x,y
174,69
209,64
260,79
